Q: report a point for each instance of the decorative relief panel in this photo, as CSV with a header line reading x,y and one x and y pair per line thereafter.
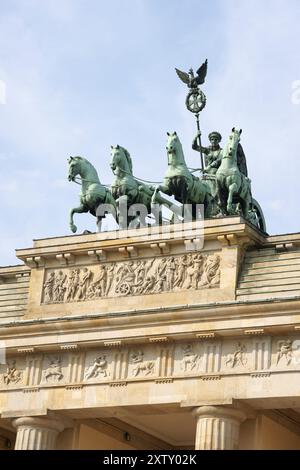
x,y
98,368
12,375
53,372
161,362
189,359
238,358
286,353
139,365
139,277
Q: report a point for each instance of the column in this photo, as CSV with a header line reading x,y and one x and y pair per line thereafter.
x,y
217,427
36,433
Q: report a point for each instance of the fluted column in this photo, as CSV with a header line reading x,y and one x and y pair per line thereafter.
x,y
36,433
218,427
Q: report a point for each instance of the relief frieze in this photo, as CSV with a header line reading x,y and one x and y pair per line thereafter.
x,y
132,277
162,363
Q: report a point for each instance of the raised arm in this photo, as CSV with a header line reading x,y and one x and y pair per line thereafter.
x,y
195,144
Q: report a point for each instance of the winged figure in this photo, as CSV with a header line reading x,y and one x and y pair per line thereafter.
x,y
190,79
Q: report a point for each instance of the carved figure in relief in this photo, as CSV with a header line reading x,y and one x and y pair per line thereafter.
x,y
98,368
285,350
83,283
59,288
170,273
141,272
12,375
54,370
76,283
189,271
149,284
143,268
161,268
70,288
110,270
238,357
126,278
198,270
181,266
160,284
190,359
211,271
137,358
98,287
48,287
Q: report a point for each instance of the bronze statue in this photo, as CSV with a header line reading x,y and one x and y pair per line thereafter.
x,y
224,189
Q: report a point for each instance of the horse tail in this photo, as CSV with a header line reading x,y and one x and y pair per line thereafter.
x,y
179,188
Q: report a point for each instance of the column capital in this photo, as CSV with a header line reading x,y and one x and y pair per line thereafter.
x,y
220,412
35,433
47,423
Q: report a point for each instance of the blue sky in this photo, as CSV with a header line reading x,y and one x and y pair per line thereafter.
x,y
81,75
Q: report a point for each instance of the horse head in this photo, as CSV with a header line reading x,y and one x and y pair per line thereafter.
x,y
172,143
120,160
174,150
233,142
74,167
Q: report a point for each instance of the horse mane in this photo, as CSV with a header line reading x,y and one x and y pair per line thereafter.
x,y
78,157
241,160
128,157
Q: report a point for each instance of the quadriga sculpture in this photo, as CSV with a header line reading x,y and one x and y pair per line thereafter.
x,y
234,188
130,193
93,193
180,182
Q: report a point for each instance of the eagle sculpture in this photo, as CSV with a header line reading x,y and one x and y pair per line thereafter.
x,y
190,79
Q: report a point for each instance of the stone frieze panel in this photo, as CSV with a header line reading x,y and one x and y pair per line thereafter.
x,y
132,277
259,356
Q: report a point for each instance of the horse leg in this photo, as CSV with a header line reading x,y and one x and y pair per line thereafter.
x,y
246,204
99,223
155,201
123,212
161,187
188,212
232,190
142,218
76,210
222,200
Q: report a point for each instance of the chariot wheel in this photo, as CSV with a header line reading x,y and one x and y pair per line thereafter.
x,y
124,288
261,223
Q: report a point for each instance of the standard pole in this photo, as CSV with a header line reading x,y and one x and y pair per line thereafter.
x,y
200,145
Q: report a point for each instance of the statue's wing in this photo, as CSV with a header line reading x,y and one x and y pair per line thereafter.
x,y
183,76
241,160
201,72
